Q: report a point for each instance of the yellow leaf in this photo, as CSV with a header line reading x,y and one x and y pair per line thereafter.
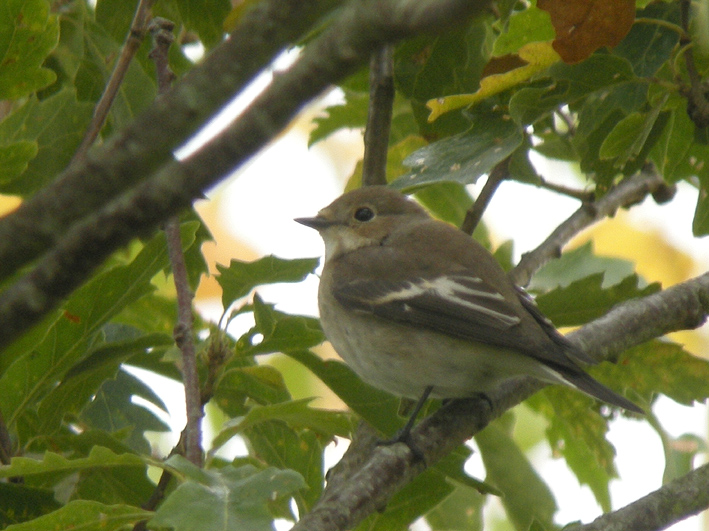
x,y
538,55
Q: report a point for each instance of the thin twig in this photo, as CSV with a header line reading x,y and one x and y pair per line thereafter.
x,y
161,31
381,103
130,47
628,192
581,195
475,213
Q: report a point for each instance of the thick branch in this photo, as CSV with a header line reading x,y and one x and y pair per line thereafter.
x,y
369,485
140,149
346,45
628,192
381,104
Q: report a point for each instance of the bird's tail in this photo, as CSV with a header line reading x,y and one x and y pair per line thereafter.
x,y
586,383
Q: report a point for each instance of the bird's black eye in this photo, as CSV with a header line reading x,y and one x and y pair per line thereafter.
x,y
363,214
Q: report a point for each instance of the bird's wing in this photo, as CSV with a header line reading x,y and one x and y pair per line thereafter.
x,y
457,304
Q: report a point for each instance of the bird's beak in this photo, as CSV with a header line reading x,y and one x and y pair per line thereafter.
x,y
318,222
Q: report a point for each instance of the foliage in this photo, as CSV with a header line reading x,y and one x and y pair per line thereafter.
x,y
611,96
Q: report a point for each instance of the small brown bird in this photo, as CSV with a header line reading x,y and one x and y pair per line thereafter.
x,y
416,307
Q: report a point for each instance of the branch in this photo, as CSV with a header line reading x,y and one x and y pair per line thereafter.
x,y
136,152
135,36
628,192
475,213
679,499
161,31
380,471
360,29
381,104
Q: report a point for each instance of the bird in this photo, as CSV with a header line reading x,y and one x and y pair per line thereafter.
x,y
418,308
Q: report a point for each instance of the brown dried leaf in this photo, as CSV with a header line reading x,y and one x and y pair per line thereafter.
x,y
584,26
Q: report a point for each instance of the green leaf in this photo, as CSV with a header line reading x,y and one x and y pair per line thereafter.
x,y
14,159
52,462
453,466
586,299
19,503
578,432
349,115
447,201
277,444
526,496
86,516
529,25
461,510
28,33
31,374
55,125
647,46
295,413
425,492
658,367
378,408
83,381
577,264
240,278
462,158
206,17
262,383
281,332
570,83
228,498
113,409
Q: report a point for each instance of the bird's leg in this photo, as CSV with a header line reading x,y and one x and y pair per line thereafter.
x,y
404,434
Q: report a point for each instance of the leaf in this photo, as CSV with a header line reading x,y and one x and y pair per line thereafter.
x,y
377,407
526,496
20,503
281,332
14,159
31,374
462,158
629,136
525,26
28,33
83,381
425,492
536,57
352,114
570,83
584,26
586,299
276,444
228,498
240,277
52,462
206,17
648,46
578,264
113,409
295,413
578,432
658,367
262,383
461,510
55,126
86,516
